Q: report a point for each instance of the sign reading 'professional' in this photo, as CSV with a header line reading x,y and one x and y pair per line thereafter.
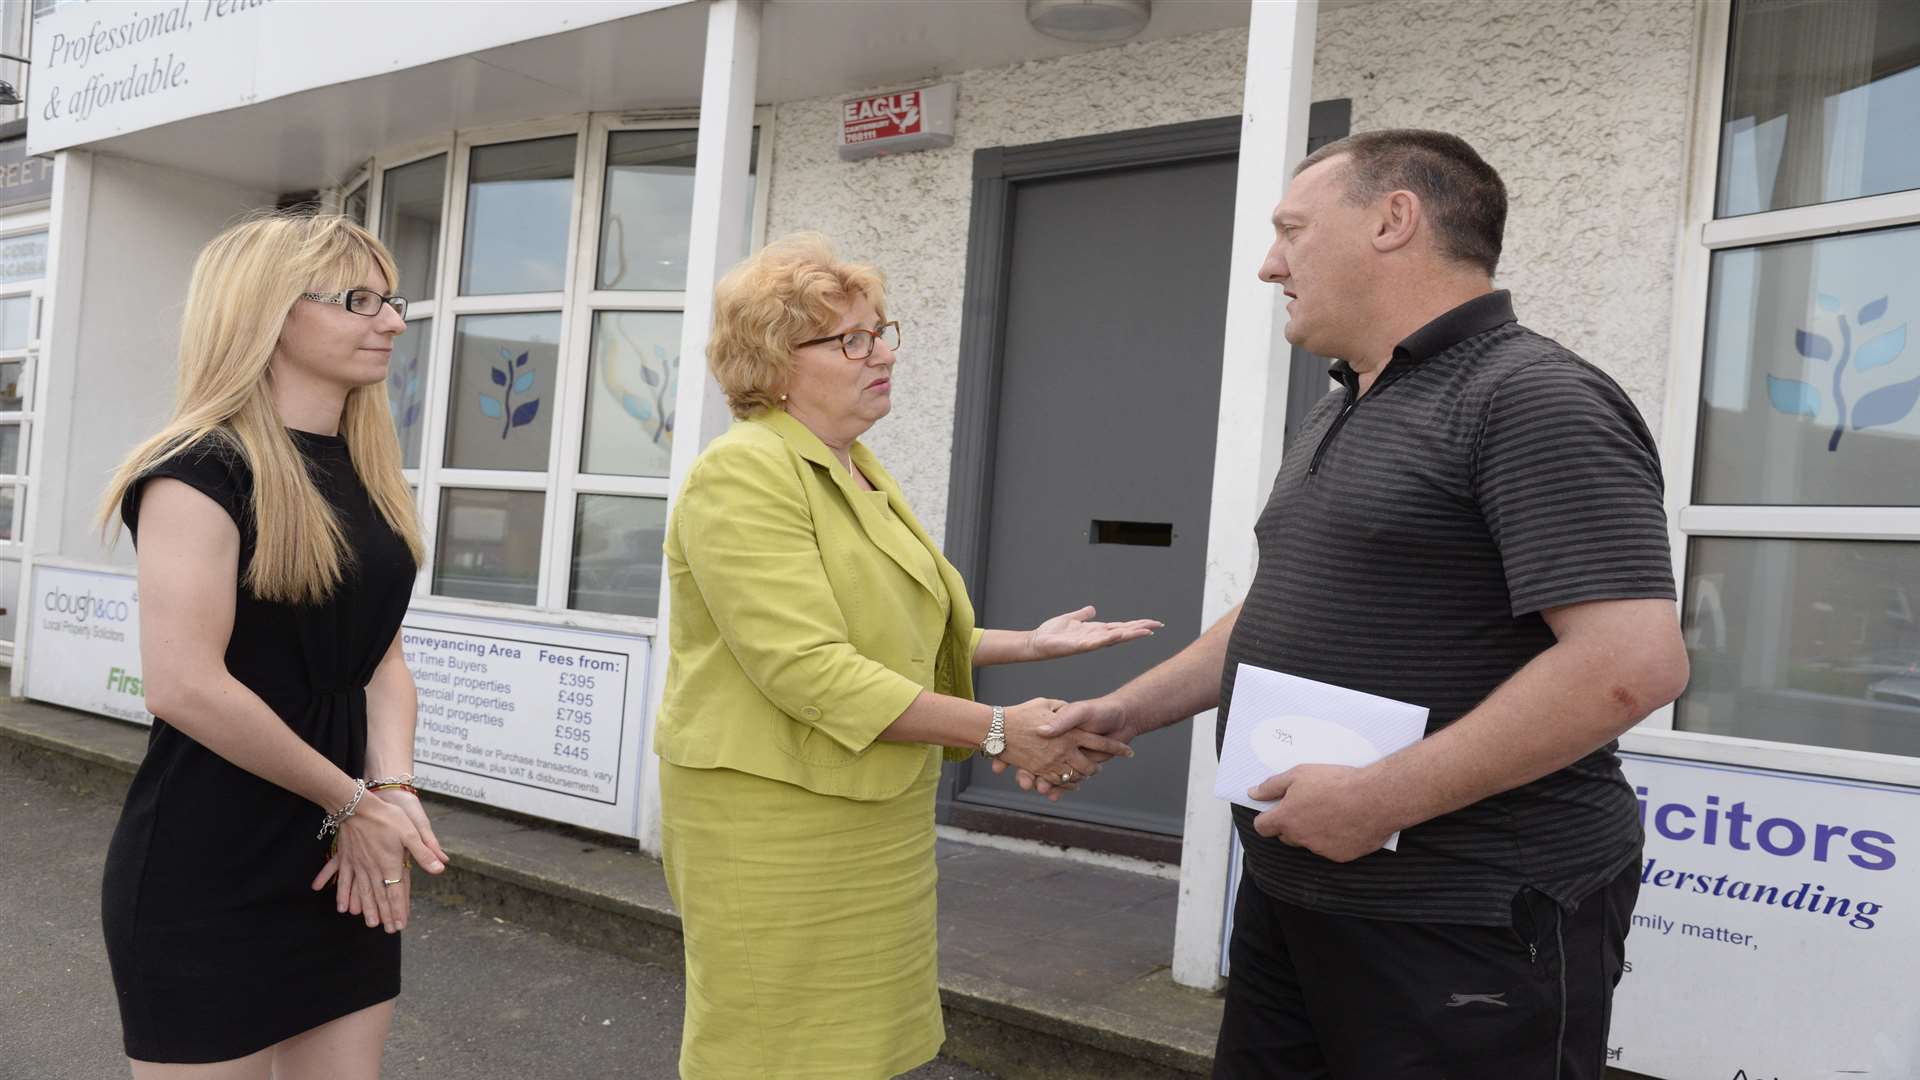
x,y
107,69
1764,898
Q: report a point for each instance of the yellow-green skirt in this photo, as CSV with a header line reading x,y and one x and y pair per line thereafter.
x,y
809,924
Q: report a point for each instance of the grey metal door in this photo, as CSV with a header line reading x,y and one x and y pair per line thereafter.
x,y
1109,389
1085,434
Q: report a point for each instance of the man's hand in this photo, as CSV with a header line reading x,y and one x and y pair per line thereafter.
x,y
1331,810
1102,716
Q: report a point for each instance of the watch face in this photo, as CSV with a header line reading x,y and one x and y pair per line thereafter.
x,y
994,745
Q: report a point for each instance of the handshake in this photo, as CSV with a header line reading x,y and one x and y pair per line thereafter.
x,y
1054,746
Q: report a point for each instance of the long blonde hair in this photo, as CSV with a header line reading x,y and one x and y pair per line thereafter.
x,y
245,283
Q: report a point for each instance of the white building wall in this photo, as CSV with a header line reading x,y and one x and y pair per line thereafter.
x,y
1581,107
144,227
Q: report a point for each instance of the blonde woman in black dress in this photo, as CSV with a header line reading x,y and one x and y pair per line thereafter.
x,y
256,884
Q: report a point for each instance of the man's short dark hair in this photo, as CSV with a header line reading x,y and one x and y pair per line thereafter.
x,y
1464,196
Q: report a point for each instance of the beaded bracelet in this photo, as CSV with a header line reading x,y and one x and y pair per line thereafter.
x,y
332,822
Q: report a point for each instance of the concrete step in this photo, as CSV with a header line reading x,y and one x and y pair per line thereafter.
x,y
1049,969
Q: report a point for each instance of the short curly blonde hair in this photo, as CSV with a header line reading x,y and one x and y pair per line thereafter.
x,y
792,290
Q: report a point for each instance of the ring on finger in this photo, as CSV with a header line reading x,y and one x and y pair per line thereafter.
x,y
390,882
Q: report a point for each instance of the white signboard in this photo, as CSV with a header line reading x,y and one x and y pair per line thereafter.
x,y
1777,930
102,69
530,718
84,642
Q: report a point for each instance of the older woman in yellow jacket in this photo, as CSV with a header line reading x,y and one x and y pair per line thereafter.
x,y
822,662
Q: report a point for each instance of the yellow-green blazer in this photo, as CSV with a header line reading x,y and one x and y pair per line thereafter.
x,y
798,627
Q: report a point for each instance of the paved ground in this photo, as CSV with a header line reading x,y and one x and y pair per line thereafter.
x,y
485,1000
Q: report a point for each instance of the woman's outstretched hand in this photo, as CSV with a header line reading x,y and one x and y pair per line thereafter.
x,y
1075,632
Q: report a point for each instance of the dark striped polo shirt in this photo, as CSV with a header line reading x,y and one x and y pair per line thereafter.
x,y
1413,537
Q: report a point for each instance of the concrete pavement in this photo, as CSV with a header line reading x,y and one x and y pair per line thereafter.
x,y
484,1000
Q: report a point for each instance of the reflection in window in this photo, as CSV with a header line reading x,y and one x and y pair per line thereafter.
x,y
16,322
1804,641
23,257
1821,101
649,210
489,546
632,382
10,463
616,555
501,413
519,200
10,372
410,223
8,526
406,388
1811,380
647,219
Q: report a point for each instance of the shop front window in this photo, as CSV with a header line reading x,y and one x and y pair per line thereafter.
x,y
519,200
534,390
1821,101
1800,556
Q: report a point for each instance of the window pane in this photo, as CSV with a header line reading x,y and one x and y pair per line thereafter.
x,y
406,388
519,197
9,596
16,322
1805,641
489,545
1821,100
649,209
10,463
7,524
10,372
355,205
616,554
23,258
410,223
634,376
501,415
1810,383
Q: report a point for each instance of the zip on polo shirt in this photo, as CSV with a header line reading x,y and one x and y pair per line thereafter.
x,y
1353,400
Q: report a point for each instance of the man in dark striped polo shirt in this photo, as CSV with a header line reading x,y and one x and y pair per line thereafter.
x,y
1471,522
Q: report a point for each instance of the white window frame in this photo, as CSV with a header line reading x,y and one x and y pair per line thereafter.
x,y
1701,236
21,223
578,303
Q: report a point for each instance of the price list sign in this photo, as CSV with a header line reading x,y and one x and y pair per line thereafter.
x,y
535,723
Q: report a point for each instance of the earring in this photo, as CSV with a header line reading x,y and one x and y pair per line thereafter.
x,y
783,397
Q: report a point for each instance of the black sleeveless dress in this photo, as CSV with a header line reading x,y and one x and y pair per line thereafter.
x,y
219,947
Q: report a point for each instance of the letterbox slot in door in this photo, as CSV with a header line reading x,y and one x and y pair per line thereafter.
x,y
1133,533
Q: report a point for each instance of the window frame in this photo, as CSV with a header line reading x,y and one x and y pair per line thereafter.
x,y
30,357
1701,236
578,304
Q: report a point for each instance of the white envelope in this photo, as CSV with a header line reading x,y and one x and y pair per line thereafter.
x,y
1277,721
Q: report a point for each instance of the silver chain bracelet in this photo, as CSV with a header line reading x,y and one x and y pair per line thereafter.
x,y
331,824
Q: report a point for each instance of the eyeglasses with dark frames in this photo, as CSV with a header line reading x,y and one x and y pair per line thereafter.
x,y
858,344
361,301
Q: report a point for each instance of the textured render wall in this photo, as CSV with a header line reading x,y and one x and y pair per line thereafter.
x,y
909,214
1582,107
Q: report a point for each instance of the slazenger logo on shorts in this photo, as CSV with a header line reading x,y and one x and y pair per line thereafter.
x,y
1478,999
